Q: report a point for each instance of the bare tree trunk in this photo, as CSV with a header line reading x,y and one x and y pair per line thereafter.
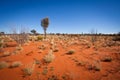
x,y
45,33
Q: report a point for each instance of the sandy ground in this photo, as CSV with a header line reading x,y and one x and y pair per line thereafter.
x,y
84,64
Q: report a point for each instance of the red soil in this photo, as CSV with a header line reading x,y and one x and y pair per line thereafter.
x,y
70,67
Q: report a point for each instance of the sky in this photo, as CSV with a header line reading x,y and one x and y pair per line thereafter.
x,y
66,16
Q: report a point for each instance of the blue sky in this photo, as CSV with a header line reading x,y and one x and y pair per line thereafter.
x,y
66,16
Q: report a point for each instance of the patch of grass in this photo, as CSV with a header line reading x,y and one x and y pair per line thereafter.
x,y
70,52
116,38
37,61
15,52
80,63
89,67
49,57
45,71
39,38
28,71
56,50
97,67
88,46
1,42
42,47
53,77
29,53
106,59
19,48
6,54
16,64
3,64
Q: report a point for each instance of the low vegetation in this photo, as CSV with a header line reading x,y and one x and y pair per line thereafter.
x,y
45,71
106,59
3,64
70,52
19,48
28,71
56,50
78,52
39,38
16,64
49,57
6,54
53,77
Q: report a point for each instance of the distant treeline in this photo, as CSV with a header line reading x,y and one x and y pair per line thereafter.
x,y
86,34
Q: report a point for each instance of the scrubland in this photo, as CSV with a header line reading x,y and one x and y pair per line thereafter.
x,y
59,57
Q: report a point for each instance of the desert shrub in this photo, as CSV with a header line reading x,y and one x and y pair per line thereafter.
x,y
42,47
80,63
39,38
45,71
19,48
51,43
93,39
106,59
15,52
37,61
116,38
1,45
6,54
53,77
20,38
28,71
97,67
1,42
49,57
16,64
30,38
70,52
56,50
7,39
3,65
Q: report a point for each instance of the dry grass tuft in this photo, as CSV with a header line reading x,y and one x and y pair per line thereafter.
x,y
6,54
16,64
70,52
49,57
3,64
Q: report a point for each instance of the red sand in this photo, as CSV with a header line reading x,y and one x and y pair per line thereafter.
x,y
63,66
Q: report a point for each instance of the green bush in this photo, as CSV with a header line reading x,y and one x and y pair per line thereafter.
x,y
39,38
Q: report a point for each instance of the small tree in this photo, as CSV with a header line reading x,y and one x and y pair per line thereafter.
x,y
33,31
44,24
2,33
